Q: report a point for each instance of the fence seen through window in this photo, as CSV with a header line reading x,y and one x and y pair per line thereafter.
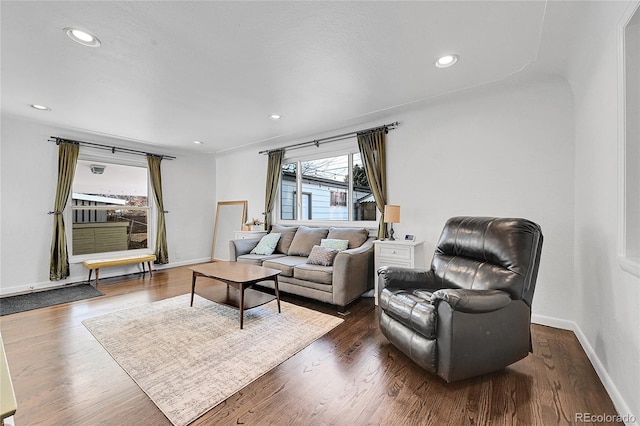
x,y
110,207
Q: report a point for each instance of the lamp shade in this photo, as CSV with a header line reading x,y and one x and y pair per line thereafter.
x,y
391,214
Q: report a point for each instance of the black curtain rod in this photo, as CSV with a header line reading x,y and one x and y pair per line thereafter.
x,y
113,149
317,142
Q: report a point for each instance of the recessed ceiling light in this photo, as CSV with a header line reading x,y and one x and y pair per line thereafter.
x,y
446,61
198,143
40,107
275,116
82,37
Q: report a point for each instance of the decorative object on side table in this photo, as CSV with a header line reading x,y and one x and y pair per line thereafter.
x,y
255,225
391,215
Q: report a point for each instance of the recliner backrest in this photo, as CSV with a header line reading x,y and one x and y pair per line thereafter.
x,y
489,253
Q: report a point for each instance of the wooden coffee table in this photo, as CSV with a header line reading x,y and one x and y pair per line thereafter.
x,y
240,276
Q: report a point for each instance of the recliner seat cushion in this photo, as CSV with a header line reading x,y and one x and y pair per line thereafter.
x,y
412,308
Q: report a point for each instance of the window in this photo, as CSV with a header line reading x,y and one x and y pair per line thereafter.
x,y
629,162
110,208
338,199
325,186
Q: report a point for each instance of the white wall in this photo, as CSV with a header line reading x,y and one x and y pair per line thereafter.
x,y
504,150
240,175
607,298
28,177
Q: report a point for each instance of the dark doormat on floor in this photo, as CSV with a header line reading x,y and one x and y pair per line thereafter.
x,y
42,299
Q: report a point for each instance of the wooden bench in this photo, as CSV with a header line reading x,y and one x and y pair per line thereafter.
x,y
117,261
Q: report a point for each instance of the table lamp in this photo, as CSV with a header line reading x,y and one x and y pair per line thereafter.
x,y
391,215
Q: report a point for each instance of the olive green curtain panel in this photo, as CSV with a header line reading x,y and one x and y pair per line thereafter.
x,y
161,250
273,176
372,150
67,160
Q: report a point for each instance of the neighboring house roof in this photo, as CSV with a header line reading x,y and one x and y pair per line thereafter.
x,y
367,199
98,199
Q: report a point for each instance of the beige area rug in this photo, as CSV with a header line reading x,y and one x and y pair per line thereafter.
x,y
188,360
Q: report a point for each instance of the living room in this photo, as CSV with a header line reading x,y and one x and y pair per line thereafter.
x,y
541,142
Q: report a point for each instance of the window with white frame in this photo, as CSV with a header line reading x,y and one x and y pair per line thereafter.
x,y
110,207
331,188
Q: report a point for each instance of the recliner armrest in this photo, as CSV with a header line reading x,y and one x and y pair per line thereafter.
x,y
395,276
472,301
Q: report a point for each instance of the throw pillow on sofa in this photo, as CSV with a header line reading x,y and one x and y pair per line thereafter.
x,y
267,244
286,237
305,239
339,245
322,256
356,236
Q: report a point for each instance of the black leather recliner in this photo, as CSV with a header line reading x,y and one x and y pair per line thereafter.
x,y
470,314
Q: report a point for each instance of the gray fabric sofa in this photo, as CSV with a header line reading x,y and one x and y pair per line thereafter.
x,y
347,279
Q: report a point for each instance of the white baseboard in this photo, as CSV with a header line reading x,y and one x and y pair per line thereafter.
x,y
553,322
46,285
183,263
104,273
618,400
630,419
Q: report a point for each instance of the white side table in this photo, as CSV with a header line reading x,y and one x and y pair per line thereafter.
x,y
244,235
407,254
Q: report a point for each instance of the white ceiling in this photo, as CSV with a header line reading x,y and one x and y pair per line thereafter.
x,y
169,73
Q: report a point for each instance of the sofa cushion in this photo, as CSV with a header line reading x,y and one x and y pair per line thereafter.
x,y
267,244
286,236
356,236
322,256
257,259
315,273
339,245
305,239
285,264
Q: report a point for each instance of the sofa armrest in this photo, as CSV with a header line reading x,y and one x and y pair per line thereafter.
x,y
352,273
472,301
240,247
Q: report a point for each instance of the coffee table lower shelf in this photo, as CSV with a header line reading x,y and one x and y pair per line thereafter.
x,y
230,296
232,282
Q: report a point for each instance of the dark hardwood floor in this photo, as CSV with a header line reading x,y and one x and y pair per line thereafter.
x,y
351,376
